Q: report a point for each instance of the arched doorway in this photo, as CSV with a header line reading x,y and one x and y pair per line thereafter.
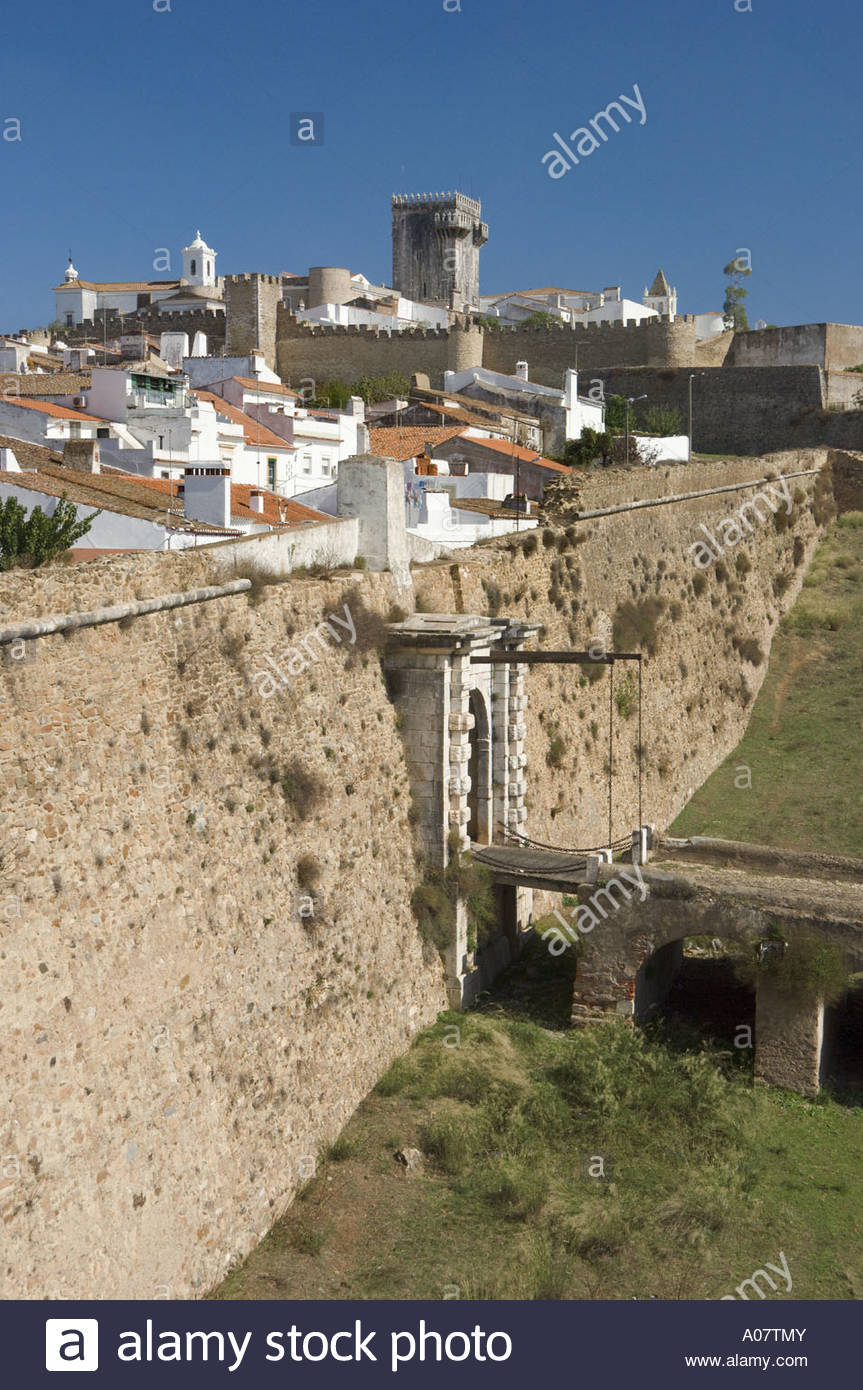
x,y
479,771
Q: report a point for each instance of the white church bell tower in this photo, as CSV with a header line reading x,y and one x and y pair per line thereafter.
x,y
199,263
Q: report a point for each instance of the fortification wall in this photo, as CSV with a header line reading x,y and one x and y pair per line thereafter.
x,y
180,1039
209,321
736,410
549,351
348,353
832,346
698,691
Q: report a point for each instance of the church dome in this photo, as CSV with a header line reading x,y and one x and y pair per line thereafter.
x,y
71,272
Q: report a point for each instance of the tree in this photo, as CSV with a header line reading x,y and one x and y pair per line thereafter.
x,y
734,308
581,453
615,414
35,539
541,318
663,419
381,388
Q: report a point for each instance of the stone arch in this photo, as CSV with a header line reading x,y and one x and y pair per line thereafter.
x,y
480,824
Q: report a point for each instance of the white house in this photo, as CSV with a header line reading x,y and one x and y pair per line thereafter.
x,y
77,300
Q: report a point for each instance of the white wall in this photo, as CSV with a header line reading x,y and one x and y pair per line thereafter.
x,y
616,310
663,449
280,552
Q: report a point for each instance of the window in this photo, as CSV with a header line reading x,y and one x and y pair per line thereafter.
x,y
307,463
69,321
326,465
103,432
192,266
271,474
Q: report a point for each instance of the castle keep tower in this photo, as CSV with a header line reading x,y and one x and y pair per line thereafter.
x,y
436,243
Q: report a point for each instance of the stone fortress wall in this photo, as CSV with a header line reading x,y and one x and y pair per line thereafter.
x,y
180,1039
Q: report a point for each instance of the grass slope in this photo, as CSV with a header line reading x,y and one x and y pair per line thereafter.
x,y
804,743
603,1164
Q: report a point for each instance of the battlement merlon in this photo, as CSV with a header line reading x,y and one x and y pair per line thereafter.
x,y
458,201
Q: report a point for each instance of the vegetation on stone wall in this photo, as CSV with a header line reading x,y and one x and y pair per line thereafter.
x,y
796,963
636,625
435,897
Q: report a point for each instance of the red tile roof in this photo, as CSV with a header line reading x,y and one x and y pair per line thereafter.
x,y
49,408
256,435
278,511
275,388
513,451
407,441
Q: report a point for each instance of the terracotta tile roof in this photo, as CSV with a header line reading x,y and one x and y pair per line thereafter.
x,y
278,511
62,412
29,455
513,451
124,495
255,434
409,441
120,286
46,383
274,388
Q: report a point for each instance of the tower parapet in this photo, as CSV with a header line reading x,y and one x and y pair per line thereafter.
x,y
436,244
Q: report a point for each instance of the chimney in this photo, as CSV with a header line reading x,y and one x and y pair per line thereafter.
x,y
521,371
83,455
612,294
207,495
257,362
356,407
8,461
256,501
570,388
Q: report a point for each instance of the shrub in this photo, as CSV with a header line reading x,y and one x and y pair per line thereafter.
x,y
556,750
35,539
626,695
303,790
433,900
530,544
309,871
798,551
699,583
494,597
801,966
750,649
548,538
635,624
742,564
663,419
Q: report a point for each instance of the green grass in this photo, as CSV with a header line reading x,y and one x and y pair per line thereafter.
x,y
804,743
706,1177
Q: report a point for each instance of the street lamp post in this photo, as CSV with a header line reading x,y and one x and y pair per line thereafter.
x,y
692,376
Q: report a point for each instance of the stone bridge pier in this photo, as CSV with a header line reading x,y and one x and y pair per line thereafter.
x,y
464,732
633,950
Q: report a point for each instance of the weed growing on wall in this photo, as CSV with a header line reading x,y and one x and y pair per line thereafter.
x,y
435,897
797,964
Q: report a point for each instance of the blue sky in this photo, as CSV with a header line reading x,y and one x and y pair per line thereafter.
x,y
139,126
